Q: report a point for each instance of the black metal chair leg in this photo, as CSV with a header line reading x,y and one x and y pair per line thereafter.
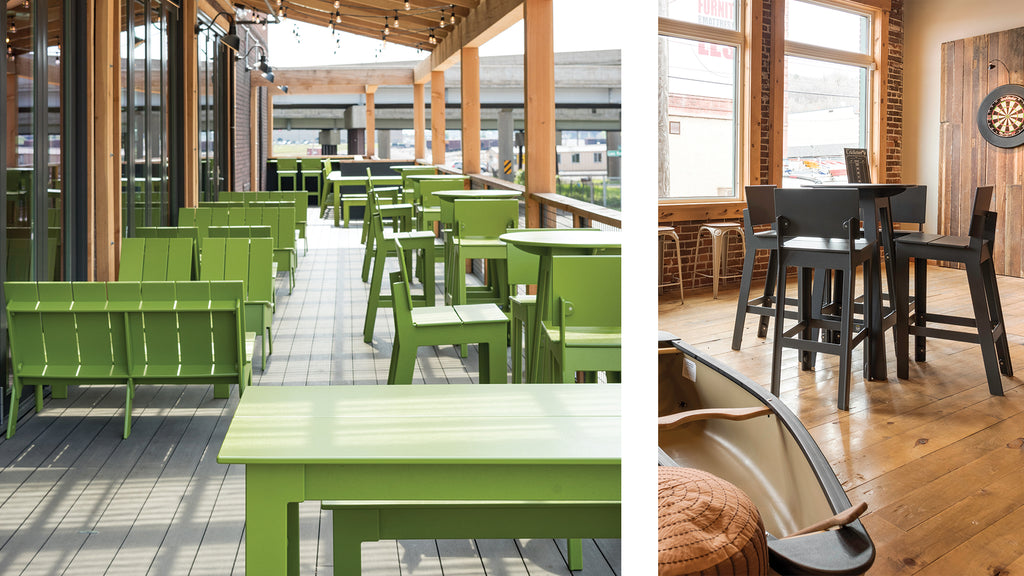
x,y
744,298
770,282
920,307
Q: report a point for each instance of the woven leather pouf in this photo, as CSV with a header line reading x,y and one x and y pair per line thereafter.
x,y
707,526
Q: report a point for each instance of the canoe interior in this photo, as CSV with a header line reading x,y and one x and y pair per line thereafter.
x,y
760,456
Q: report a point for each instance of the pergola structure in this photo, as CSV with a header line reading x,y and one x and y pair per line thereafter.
x,y
467,25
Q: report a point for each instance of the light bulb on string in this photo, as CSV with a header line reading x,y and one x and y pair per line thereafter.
x,y
442,18
406,4
387,30
337,4
396,18
337,17
453,13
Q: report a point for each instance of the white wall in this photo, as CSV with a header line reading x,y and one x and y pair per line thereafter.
x,y
927,24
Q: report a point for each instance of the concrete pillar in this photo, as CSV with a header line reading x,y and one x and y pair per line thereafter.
x,y
506,131
384,143
614,146
357,141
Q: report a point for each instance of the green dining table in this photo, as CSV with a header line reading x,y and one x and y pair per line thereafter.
x,y
463,442
336,180
556,242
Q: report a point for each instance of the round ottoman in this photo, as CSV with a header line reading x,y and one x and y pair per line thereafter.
x,y
707,526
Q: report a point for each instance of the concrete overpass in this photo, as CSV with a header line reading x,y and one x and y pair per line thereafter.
x,y
588,95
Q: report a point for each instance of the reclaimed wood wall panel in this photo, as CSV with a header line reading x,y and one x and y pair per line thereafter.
x,y
967,160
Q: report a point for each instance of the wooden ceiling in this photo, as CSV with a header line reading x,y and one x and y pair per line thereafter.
x,y
367,17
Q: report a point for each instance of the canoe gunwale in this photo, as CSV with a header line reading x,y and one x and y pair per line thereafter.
x,y
829,484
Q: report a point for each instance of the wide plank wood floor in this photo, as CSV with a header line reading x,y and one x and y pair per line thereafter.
x,y
939,460
75,499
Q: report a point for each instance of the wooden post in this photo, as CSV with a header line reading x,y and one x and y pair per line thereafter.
x,y
470,110
437,128
539,92
371,147
270,124
106,157
752,99
254,136
191,105
419,120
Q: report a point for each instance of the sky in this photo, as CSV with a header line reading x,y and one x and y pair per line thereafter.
x,y
579,25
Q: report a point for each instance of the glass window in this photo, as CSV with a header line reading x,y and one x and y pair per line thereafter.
x,y
20,156
826,104
825,111
714,13
698,94
827,27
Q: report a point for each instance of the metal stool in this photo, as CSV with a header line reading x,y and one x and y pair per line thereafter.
x,y
718,232
668,234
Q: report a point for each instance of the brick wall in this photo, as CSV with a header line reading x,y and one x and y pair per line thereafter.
x,y
893,130
244,140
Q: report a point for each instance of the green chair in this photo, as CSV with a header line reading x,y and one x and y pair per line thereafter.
x,y
287,168
386,243
477,226
389,214
251,261
484,324
146,259
310,168
238,232
190,232
585,331
282,229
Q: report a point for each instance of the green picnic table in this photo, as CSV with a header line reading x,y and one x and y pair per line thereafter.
x,y
336,180
453,443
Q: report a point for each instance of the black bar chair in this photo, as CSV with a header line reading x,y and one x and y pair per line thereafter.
x,y
760,211
819,231
975,253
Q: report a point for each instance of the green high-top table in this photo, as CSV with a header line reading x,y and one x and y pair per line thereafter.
x,y
557,242
502,442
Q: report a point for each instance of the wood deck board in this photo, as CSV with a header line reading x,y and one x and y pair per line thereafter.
x,y
937,458
76,499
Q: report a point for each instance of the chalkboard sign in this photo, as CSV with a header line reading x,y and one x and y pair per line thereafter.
x,y
857,171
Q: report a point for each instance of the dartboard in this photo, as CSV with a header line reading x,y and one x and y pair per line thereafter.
x,y
1001,116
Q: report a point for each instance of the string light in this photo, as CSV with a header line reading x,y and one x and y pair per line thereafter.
x,y
387,30
453,13
337,17
396,18
442,18
337,4
432,39
14,27
406,4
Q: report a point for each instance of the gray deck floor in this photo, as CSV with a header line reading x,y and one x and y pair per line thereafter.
x,y
76,499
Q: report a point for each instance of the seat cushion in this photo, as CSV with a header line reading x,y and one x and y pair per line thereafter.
x,y
707,526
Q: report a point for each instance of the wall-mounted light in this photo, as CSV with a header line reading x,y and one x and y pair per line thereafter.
x,y
231,39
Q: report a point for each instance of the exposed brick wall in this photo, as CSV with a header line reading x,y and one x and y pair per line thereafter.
x,y
688,233
892,163
244,140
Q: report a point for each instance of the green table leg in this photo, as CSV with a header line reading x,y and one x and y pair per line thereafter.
x,y
272,494
337,201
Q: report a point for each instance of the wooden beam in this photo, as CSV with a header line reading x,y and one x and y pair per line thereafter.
x,y
437,124
470,110
106,157
487,20
371,148
539,102
91,102
879,88
419,121
190,93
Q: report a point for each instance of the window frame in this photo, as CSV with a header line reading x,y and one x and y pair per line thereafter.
x,y
739,41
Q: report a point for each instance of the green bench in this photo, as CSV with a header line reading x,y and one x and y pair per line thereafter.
x,y
301,200
152,259
190,232
251,261
355,522
281,221
129,333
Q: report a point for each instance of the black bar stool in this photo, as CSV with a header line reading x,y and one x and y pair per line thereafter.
x,y
819,231
975,253
760,211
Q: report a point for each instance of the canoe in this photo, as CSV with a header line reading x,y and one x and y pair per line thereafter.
x,y
770,456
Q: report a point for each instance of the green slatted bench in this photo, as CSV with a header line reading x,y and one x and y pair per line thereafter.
x,y
355,522
129,333
145,259
250,260
301,200
190,232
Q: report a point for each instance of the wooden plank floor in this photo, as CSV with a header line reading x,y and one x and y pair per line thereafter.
x,y
939,461
75,499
